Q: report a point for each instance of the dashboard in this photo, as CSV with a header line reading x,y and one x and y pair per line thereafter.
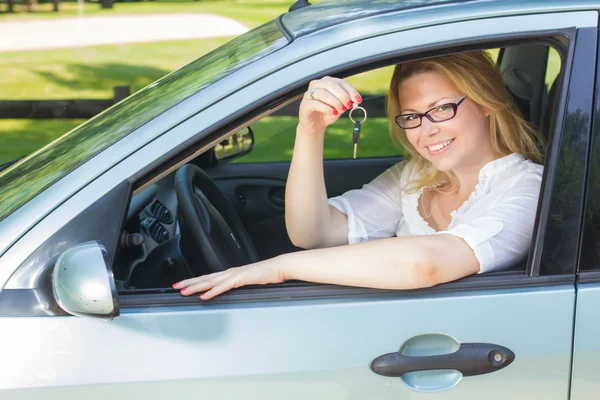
x,y
150,254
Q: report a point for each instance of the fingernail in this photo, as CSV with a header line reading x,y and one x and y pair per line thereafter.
x,y
349,104
202,296
175,284
335,112
182,291
344,108
358,98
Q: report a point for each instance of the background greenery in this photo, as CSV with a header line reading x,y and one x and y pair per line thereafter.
x,y
91,72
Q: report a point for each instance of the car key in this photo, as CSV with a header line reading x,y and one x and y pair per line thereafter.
x,y
356,136
357,124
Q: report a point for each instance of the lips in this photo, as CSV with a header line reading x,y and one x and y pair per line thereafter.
x,y
439,146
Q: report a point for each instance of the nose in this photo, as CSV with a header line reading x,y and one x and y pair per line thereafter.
x,y
428,128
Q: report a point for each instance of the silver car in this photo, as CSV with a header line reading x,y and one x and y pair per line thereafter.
x,y
168,184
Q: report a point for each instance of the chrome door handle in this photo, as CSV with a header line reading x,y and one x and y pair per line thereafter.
x,y
470,359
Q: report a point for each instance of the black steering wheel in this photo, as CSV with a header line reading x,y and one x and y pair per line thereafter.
x,y
219,238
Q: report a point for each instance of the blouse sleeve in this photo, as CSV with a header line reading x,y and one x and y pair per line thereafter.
x,y
502,235
374,211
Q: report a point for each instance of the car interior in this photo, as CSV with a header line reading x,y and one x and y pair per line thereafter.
x,y
219,210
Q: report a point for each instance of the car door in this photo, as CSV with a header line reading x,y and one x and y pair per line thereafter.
x,y
585,379
301,340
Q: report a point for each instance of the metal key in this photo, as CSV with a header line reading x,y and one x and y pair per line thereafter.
x,y
356,129
356,136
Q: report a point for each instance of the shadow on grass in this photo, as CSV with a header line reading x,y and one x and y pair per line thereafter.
x,y
104,76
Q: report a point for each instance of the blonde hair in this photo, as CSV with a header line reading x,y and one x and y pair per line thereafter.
x,y
476,76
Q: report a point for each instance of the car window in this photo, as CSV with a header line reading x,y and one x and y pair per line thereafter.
x,y
553,67
274,135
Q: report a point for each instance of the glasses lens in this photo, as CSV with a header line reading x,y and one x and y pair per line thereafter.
x,y
409,121
443,112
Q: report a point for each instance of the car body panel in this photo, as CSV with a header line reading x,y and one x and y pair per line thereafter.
x,y
586,346
315,349
336,13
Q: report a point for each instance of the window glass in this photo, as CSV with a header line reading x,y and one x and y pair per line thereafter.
x,y
553,67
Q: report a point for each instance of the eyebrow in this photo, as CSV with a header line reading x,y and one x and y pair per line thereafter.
x,y
429,106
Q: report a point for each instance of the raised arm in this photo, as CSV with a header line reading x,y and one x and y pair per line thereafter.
x,y
310,221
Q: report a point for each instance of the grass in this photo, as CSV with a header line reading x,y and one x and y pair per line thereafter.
x,y
249,12
91,72
274,140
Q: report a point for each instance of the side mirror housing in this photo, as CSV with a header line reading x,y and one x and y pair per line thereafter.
x,y
83,283
236,145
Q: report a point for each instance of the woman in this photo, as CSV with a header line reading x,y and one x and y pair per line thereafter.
x,y
463,202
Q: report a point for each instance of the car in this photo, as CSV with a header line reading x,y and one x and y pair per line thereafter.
x,y
96,226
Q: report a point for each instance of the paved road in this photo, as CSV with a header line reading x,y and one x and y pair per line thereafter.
x,y
93,31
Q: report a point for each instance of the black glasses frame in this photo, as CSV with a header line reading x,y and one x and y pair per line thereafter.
x,y
429,117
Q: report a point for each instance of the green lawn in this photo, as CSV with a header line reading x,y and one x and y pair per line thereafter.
x,y
274,139
249,12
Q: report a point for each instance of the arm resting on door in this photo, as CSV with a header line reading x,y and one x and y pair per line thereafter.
x,y
395,263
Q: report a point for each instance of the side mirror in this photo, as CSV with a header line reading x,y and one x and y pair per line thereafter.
x,y
236,145
83,283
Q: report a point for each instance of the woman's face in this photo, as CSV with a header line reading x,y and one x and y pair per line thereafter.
x,y
459,144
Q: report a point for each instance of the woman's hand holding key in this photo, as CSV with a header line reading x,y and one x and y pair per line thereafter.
x,y
323,103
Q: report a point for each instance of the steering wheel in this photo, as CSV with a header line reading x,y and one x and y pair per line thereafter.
x,y
216,230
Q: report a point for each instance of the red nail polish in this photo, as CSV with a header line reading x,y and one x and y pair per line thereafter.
x,y
335,112
349,104
175,284
358,98
344,108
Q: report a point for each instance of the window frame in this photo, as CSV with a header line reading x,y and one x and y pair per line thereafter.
x,y
187,149
303,291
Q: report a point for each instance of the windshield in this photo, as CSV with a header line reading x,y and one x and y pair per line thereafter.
x,y
25,179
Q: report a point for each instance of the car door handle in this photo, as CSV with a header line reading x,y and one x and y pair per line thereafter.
x,y
470,359
277,196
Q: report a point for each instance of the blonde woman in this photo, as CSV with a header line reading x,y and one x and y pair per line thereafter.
x,y
463,202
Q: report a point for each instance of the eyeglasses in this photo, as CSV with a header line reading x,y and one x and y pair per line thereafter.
x,y
440,113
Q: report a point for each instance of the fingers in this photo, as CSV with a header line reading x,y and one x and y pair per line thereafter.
x,y
218,289
321,106
334,92
193,281
213,284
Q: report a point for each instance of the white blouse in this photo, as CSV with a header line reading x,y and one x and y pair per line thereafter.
x,y
496,221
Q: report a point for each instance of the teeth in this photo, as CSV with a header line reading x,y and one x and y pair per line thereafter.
x,y
439,146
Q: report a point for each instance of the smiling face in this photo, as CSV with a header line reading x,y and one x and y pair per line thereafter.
x,y
460,144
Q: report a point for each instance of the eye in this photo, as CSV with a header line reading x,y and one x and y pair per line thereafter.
x,y
411,117
444,108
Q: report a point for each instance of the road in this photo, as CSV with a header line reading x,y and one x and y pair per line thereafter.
x,y
120,29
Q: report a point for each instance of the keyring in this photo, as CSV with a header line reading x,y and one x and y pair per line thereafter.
x,y
357,107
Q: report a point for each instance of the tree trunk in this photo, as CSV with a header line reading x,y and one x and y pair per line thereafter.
x,y
106,3
55,5
11,6
32,5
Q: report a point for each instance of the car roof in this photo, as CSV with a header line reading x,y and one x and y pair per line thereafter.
x,y
334,12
